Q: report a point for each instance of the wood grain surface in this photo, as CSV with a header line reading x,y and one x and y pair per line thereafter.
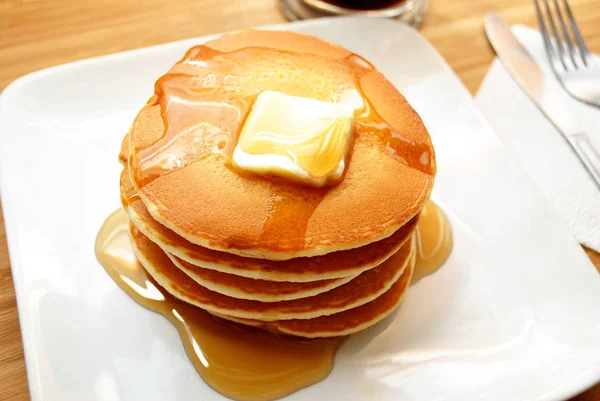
x,y
35,34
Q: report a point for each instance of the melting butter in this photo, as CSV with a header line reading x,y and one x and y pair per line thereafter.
x,y
296,138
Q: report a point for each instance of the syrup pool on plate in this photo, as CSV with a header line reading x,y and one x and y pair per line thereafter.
x,y
434,241
240,362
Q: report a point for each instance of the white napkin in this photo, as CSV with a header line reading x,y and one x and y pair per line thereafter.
x,y
545,154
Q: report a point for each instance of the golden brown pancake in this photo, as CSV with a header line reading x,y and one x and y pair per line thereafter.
x,y
333,265
181,141
253,289
362,289
343,323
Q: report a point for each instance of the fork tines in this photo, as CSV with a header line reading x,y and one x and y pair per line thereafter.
x,y
566,49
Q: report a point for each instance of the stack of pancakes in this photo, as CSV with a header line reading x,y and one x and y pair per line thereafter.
x,y
262,251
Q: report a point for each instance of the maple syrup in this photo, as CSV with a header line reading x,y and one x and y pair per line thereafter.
x,y
434,240
240,362
205,99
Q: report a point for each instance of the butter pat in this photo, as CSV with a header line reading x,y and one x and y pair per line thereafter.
x,y
296,138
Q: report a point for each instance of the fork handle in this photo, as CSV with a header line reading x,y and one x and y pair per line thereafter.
x,y
588,155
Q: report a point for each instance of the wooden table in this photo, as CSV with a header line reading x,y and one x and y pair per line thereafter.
x,y
38,33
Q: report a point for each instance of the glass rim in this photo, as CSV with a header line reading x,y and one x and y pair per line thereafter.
x,y
323,6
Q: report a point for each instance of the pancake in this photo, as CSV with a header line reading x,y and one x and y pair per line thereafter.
x,y
362,289
180,145
253,289
343,323
333,265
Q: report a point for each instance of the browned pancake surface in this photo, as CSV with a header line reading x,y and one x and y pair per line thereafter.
x,y
388,179
256,289
343,323
358,291
352,320
303,269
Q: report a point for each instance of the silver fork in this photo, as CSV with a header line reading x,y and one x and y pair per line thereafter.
x,y
571,61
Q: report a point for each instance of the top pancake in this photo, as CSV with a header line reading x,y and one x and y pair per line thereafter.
x,y
180,146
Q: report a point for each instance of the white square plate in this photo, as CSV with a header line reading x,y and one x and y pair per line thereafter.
x,y
514,315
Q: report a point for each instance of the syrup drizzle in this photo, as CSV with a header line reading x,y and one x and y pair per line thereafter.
x,y
207,96
205,99
282,207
